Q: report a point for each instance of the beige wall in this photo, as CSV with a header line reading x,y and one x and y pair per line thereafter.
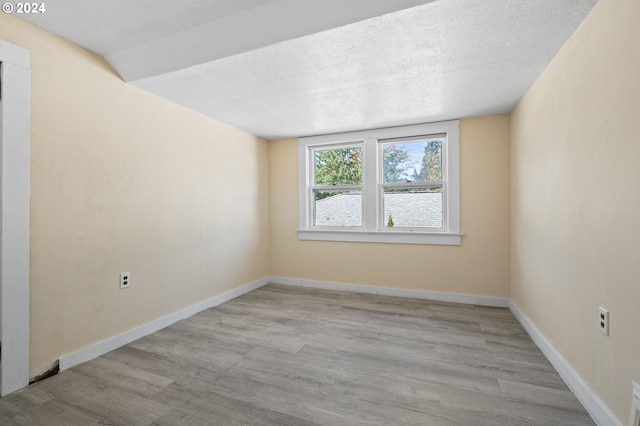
x,y
480,266
122,180
576,201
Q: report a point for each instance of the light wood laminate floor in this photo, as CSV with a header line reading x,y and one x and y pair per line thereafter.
x,y
296,356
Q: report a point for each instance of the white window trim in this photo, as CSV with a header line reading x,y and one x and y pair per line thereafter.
x,y
371,232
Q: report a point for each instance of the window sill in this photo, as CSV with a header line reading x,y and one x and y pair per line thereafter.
x,y
440,238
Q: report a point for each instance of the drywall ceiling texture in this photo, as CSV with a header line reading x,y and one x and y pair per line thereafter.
x,y
151,37
106,27
441,60
289,68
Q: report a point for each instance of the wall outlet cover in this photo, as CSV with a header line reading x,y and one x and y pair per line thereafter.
x,y
125,279
603,318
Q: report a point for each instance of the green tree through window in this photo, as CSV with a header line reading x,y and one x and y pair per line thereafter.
x,y
339,166
431,167
396,161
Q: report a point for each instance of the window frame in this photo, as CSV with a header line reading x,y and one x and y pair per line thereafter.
x,y
372,186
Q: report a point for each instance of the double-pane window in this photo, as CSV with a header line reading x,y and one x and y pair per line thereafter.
x,y
385,185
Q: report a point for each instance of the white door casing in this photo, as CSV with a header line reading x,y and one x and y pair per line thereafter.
x,y
15,69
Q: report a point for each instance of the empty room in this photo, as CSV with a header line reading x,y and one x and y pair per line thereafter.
x,y
320,212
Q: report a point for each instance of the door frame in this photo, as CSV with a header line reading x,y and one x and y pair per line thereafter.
x,y
15,66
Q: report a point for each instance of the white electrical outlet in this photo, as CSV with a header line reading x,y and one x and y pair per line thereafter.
x,y
125,279
603,320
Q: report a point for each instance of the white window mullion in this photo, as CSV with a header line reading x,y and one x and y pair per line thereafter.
x,y
304,190
370,190
451,189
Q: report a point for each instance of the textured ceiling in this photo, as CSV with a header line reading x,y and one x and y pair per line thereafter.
x,y
110,26
436,61
144,38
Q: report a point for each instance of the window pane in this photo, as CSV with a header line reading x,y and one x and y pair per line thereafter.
x,y
340,208
413,208
413,161
341,166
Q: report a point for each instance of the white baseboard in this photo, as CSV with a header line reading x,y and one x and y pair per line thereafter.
x,y
499,302
594,405
104,346
596,408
